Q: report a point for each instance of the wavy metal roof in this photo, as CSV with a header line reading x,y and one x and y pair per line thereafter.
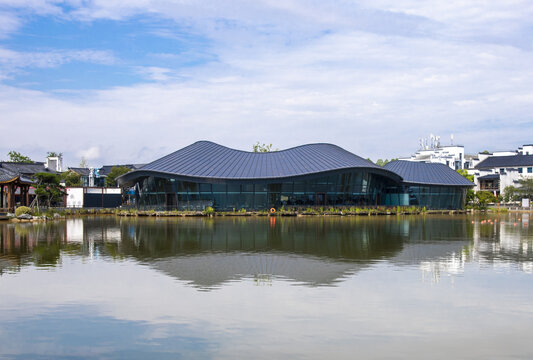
x,y
414,172
205,159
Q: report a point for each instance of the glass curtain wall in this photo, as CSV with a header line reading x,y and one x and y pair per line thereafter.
x,y
346,189
430,197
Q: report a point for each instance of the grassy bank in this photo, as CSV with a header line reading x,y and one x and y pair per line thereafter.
x,y
51,214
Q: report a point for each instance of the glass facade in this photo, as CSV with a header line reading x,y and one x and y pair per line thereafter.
x,y
428,196
353,188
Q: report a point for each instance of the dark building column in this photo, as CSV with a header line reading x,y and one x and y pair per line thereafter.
x,y
10,197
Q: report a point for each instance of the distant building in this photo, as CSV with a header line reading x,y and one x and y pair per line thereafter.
x,y
99,175
431,151
83,173
495,173
93,197
526,149
54,163
452,156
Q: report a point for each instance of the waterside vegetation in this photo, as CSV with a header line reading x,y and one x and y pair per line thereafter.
x,y
25,214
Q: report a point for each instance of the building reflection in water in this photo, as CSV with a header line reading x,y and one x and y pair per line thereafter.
x,y
498,242
207,253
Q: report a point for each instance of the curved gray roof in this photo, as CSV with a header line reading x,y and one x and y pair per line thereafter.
x,y
205,159
414,172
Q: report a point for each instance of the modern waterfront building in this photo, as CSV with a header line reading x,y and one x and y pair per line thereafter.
x,y
207,174
432,185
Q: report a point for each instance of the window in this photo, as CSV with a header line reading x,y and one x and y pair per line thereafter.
x,y
530,170
520,170
502,171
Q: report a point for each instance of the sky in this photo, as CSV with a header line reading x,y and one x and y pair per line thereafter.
x,y
119,82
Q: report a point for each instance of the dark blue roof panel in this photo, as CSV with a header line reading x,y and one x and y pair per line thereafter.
x,y
205,159
506,161
414,172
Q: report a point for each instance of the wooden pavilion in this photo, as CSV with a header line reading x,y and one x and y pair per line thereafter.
x,y
9,183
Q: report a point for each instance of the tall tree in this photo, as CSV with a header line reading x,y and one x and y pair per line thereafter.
x,y
71,178
115,172
510,193
15,156
526,187
48,189
484,198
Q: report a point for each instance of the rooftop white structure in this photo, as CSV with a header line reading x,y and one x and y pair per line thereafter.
x,y
54,163
432,151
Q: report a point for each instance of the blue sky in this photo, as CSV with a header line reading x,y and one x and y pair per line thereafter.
x,y
123,82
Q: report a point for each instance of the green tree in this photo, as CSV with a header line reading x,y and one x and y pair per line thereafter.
x,y
382,162
526,187
484,198
258,147
15,156
465,173
48,189
53,154
71,178
470,197
116,171
510,193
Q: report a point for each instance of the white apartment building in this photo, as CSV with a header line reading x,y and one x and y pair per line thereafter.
x,y
494,172
432,151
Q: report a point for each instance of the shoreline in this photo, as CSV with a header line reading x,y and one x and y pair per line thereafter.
x,y
60,214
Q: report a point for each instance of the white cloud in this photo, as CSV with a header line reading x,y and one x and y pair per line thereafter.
x,y
14,61
328,90
371,77
155,73
41,7
8,24
91,153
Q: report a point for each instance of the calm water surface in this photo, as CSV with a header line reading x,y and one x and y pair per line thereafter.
x,y
268,288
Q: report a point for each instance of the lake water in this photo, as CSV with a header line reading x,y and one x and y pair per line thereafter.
x,y
422,287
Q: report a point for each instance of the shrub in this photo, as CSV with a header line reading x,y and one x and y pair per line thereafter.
x,y
209,210
22,210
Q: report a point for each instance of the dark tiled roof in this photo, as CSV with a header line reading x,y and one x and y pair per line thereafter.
x,y
205,159
80,171
24,168
6,175
414,172
104,170
489,177
506,161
